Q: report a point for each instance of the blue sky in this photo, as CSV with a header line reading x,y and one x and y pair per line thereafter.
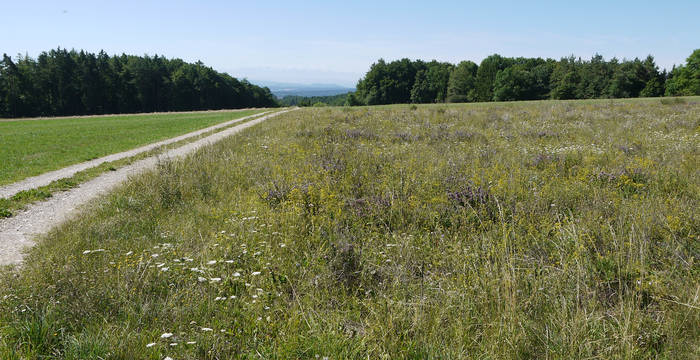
x,y
337,41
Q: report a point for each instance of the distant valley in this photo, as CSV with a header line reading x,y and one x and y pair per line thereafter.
x,y
281,89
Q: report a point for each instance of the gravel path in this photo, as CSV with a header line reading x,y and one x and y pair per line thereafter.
x,y
44,179
17,232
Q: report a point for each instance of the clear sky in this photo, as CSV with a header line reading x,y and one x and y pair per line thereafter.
x,y
336,41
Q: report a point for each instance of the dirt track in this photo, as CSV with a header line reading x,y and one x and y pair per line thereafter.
x,y
44,179
18,232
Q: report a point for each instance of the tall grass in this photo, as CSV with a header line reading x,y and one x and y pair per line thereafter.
x,y
543,230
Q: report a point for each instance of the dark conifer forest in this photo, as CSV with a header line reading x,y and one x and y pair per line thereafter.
x,y
62,82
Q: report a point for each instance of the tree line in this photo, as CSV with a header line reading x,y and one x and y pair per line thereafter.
x,y
331,100
500,78
61,82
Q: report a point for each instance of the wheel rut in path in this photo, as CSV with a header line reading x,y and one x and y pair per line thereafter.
x,y
44,179
17,233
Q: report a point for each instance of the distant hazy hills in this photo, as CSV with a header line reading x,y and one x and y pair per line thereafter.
x,y
284,89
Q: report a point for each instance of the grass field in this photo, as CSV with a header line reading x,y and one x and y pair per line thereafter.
x,y
19,201
32,147
549,230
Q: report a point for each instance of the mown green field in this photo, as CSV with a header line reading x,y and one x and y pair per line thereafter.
x,y
550,230
32,147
